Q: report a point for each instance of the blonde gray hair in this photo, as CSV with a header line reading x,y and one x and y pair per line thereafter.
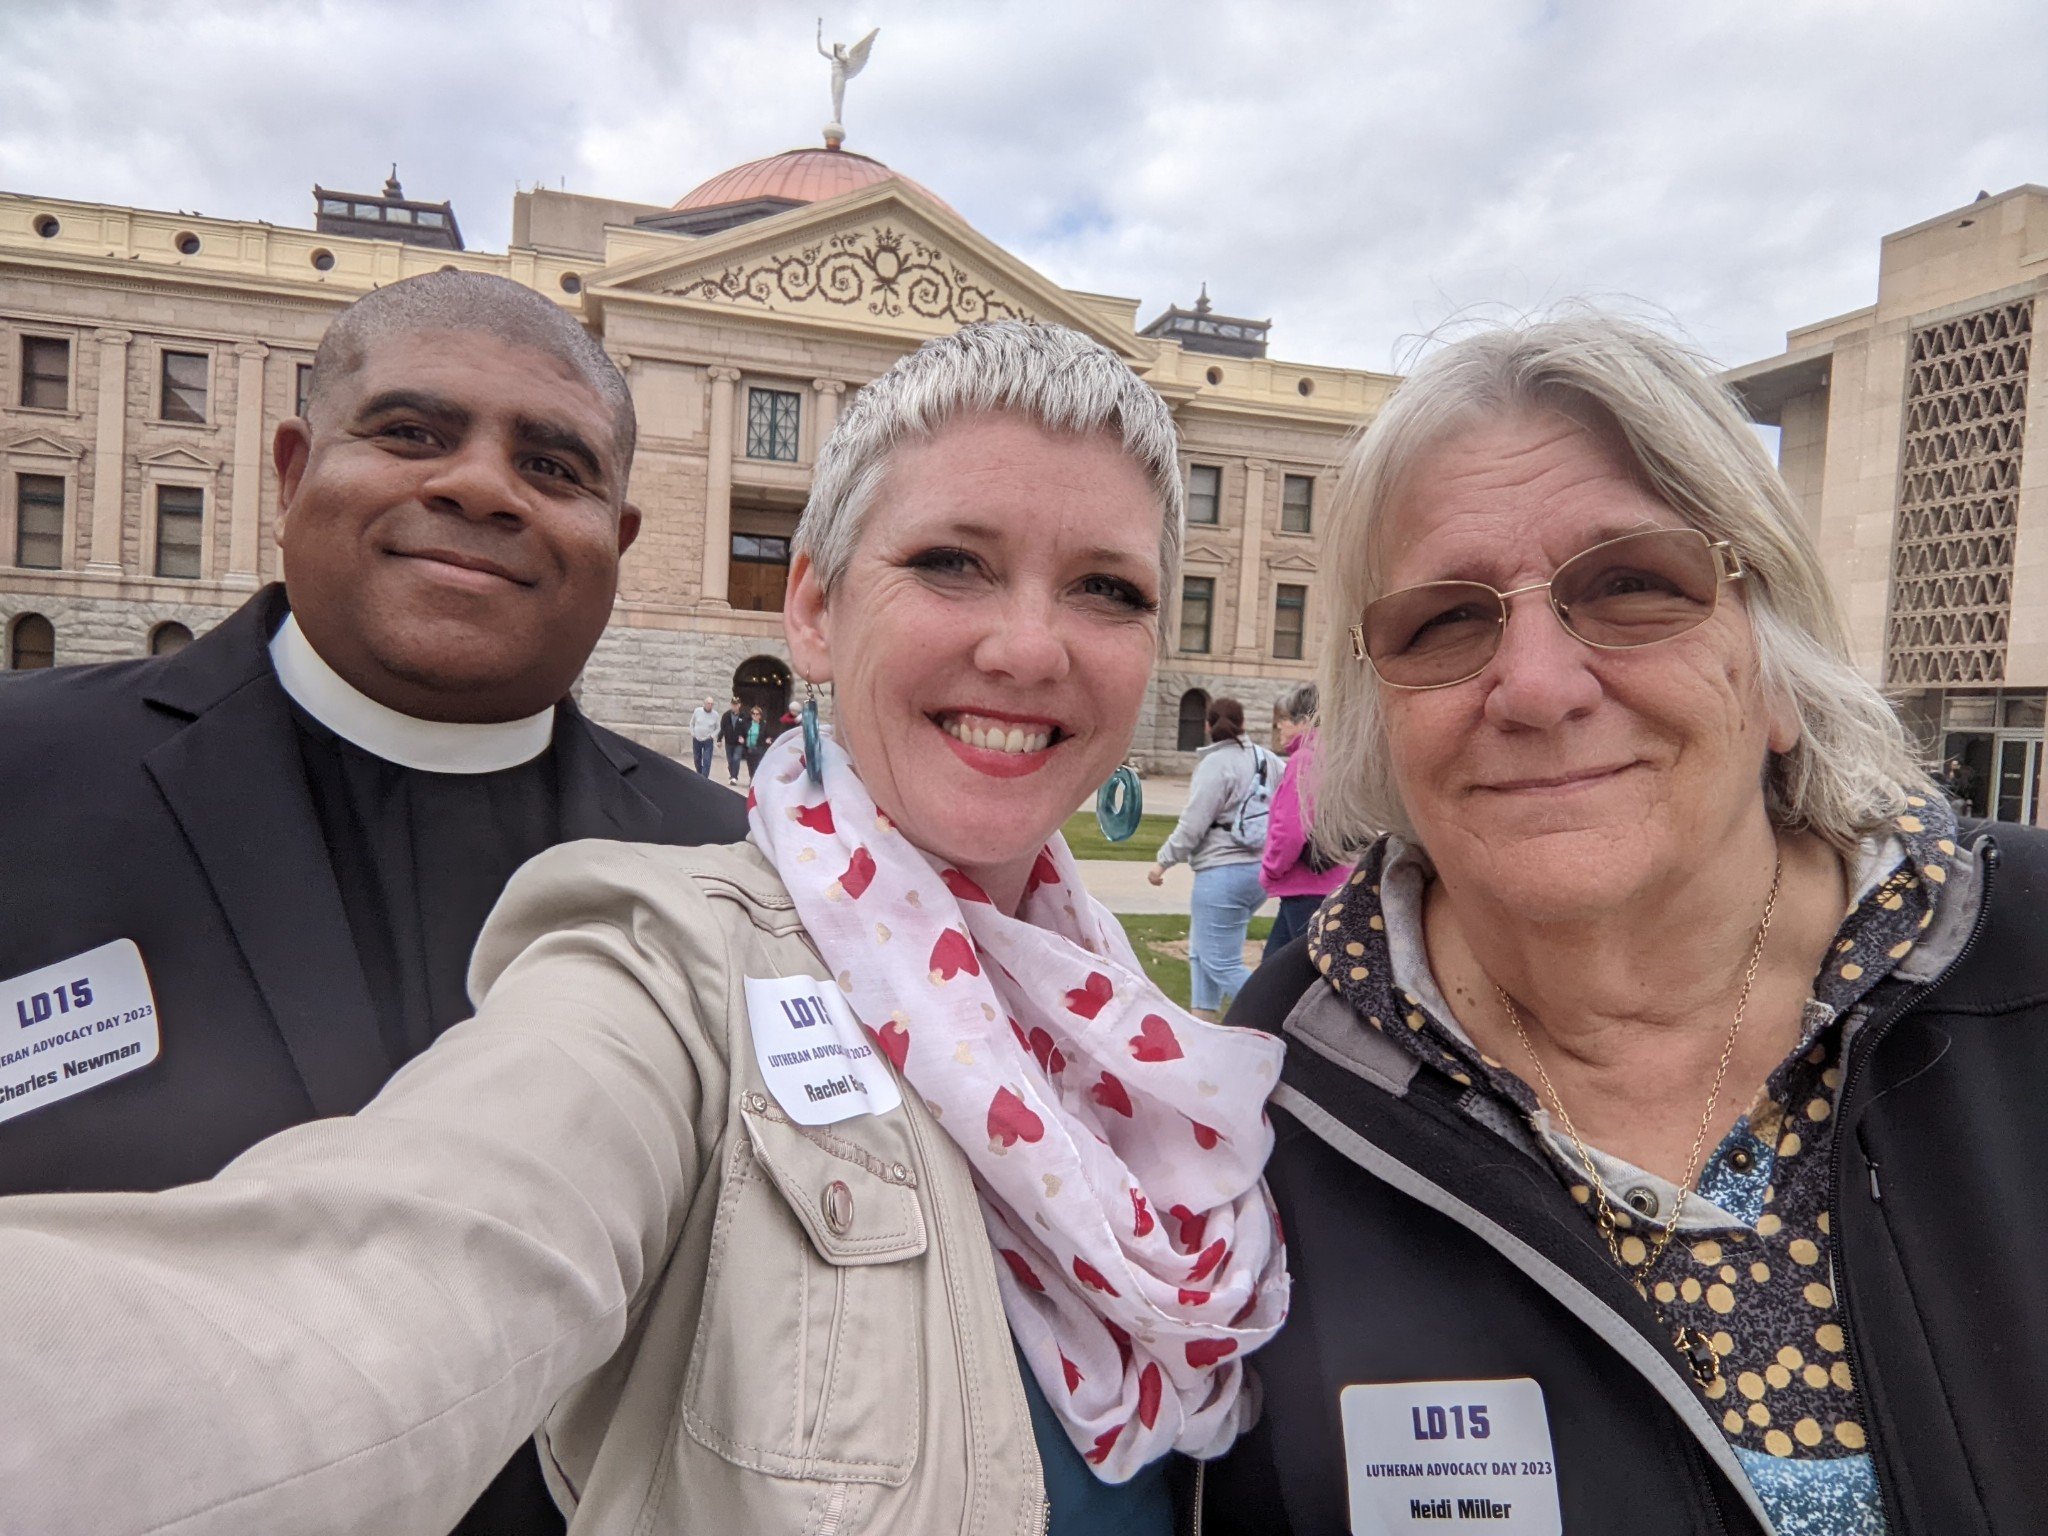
x,y
1687,440
1053,376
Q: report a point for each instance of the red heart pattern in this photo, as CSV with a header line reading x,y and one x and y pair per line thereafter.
x,y
860,873
964,889
953,954
1089,1275
1045,870
1144,1222
894,1040
1112,1095
1088,999
1034,973
1026,1275
1010,1120
1155,1040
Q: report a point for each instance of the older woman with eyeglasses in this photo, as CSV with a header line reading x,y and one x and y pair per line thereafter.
x,y
1661,1116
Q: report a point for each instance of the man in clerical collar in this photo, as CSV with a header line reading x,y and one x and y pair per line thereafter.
x,y
263,862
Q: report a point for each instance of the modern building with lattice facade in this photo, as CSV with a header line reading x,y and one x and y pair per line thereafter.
x,y
1905,433
146,359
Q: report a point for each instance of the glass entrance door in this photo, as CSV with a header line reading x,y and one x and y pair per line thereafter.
x,y
2019,778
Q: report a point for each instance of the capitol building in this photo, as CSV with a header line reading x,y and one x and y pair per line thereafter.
x,y
147,357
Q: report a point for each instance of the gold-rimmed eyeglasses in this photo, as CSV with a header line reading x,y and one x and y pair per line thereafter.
x,y
1621,593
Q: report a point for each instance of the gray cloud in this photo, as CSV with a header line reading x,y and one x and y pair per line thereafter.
x,y
1360,172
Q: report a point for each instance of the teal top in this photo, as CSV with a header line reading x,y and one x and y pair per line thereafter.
x,y
1082,1503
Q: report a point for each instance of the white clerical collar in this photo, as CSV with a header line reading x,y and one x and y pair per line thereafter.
x,y
432,746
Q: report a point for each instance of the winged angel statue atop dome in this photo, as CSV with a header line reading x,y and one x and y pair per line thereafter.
x,y
846,63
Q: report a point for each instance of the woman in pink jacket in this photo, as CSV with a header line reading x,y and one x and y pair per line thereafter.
x,y
1291,869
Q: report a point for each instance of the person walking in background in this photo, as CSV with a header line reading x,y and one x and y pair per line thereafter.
x,y
1292,869
758,734
1221,834
703,735
732,734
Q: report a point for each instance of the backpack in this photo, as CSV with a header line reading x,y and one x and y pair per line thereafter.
x,y
1255,812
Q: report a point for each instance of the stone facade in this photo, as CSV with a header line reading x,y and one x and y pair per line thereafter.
x,y
771,321
1907,437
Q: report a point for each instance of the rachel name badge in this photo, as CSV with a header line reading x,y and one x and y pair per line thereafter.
x,y
73,1026
1450,1456
818,1062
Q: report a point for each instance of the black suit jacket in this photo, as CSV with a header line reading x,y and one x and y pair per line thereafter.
x,y
165,801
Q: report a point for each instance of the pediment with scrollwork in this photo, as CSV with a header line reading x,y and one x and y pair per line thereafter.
x,y
884,271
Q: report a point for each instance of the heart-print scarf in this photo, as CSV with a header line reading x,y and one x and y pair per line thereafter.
x,y
1116,1140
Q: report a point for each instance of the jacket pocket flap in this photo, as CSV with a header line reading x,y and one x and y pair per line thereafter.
x,y
859,1206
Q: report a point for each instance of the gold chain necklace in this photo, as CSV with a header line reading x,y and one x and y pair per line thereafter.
x,y
1694,1347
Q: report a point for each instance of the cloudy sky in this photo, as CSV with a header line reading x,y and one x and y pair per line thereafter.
x,y
1360,171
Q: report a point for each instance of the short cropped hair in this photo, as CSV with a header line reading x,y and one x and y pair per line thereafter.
x,y
1053,376
1688,442
482,302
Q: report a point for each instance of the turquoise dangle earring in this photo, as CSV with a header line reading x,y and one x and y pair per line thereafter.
x,y
1119,804
814,762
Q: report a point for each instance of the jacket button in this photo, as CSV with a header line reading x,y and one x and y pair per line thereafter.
x,y
1642,1200
1740,1160
837,1203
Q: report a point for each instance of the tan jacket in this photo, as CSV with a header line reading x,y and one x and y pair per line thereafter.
x,y
583,1200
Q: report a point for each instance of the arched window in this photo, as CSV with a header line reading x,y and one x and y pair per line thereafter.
x,y
31,643
1194,720
169,638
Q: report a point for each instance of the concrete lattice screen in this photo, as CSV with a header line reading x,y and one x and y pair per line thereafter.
x,y
1959,482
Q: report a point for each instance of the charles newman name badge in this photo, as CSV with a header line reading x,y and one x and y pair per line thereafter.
x,y
1450,1456
74,1025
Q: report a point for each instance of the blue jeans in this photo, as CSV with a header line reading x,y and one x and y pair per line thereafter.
x,y
1225,899
1290,922
732,762
701,751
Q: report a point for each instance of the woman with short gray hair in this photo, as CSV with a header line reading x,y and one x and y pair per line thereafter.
x,y
1663,1091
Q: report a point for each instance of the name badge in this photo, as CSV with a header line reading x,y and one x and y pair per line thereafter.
x,y
818,1062
1450,1456
73,1026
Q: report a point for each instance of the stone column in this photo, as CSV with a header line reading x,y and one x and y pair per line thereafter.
x,y
245,513
109,461
718,488
828,392
1251,573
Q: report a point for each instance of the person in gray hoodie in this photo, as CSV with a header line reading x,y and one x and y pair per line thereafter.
x,y
1225,859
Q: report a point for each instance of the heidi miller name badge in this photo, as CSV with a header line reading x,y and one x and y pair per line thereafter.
x,y
1450,1456
818,1062
74,1025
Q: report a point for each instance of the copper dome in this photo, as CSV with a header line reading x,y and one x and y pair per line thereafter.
x,y
795,176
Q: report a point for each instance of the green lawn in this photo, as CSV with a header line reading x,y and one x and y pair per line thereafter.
x,y
1085,837
1169,972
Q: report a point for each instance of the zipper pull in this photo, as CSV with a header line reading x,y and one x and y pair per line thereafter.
x,y
1876,1198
